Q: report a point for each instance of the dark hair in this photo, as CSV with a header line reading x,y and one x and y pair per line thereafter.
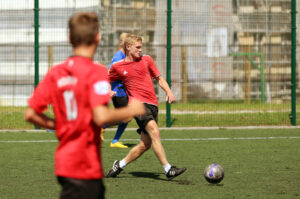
x,y
83,28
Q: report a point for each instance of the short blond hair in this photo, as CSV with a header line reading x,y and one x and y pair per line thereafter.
x,y
123,35
131,40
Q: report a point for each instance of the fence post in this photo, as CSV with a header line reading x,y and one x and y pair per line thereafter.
x,y
36,42
36,45
184,78
50,57
247,72
169,50
293,64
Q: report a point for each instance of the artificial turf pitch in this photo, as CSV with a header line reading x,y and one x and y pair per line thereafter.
x,y
258,163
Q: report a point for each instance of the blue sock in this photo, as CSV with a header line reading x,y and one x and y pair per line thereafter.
x,y
120,130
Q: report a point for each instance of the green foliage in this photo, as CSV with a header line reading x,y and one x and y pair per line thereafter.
x,y
254,168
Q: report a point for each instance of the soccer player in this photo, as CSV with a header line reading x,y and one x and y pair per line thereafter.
x,y
120,99
79,91
136,72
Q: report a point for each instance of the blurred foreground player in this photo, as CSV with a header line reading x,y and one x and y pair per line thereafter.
x,y
79,90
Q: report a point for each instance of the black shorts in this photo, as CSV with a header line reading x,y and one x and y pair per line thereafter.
x,y
120,101
151,114
78,189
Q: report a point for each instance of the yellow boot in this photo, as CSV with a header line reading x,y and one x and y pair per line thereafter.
x,y
118,145
102,134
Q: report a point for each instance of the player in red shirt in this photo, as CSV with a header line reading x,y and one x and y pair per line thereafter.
x,y
79,91
136,72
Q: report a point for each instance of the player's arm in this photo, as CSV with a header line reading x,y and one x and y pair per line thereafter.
x,y
112,93
105,115
39,119
155,73
165,86
38,103
113,74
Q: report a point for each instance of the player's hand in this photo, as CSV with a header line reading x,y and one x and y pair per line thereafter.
x,y
137,107
170,98
113,93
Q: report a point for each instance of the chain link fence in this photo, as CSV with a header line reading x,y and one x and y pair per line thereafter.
x,y
231,59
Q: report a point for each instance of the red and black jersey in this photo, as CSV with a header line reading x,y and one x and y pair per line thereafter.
x,y
137,78
74,88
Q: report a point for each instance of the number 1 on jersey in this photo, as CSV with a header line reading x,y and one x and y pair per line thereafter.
x,y
71,105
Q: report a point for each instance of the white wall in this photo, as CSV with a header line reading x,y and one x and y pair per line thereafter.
x,y
29,4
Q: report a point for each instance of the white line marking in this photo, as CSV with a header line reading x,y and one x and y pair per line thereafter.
x,y
167,139
224,139
28,141
162,128
184,112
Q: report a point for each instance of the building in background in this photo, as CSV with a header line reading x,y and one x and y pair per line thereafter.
x,y
17,37
202,32
205,35
263,26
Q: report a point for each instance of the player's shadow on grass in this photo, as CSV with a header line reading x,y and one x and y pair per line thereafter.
x,y
215,185
140,174
130,145
156,177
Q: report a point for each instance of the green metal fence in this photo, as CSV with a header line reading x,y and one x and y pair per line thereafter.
x,y
229,62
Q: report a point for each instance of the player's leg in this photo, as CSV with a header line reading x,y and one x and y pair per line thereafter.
x,y
134,153
120,130
138,150
148,123
153,132
150,135
119,102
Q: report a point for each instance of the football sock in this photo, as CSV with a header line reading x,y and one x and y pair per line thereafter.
x,y
123,163
167,167
120,131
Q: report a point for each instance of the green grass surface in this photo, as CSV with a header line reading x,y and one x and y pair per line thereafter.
x,y
199,114
258,163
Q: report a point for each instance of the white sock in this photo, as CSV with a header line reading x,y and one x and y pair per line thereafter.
x,y
123,163
167,167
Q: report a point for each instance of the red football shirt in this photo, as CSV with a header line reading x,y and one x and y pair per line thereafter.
x,y
74,88
137,78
